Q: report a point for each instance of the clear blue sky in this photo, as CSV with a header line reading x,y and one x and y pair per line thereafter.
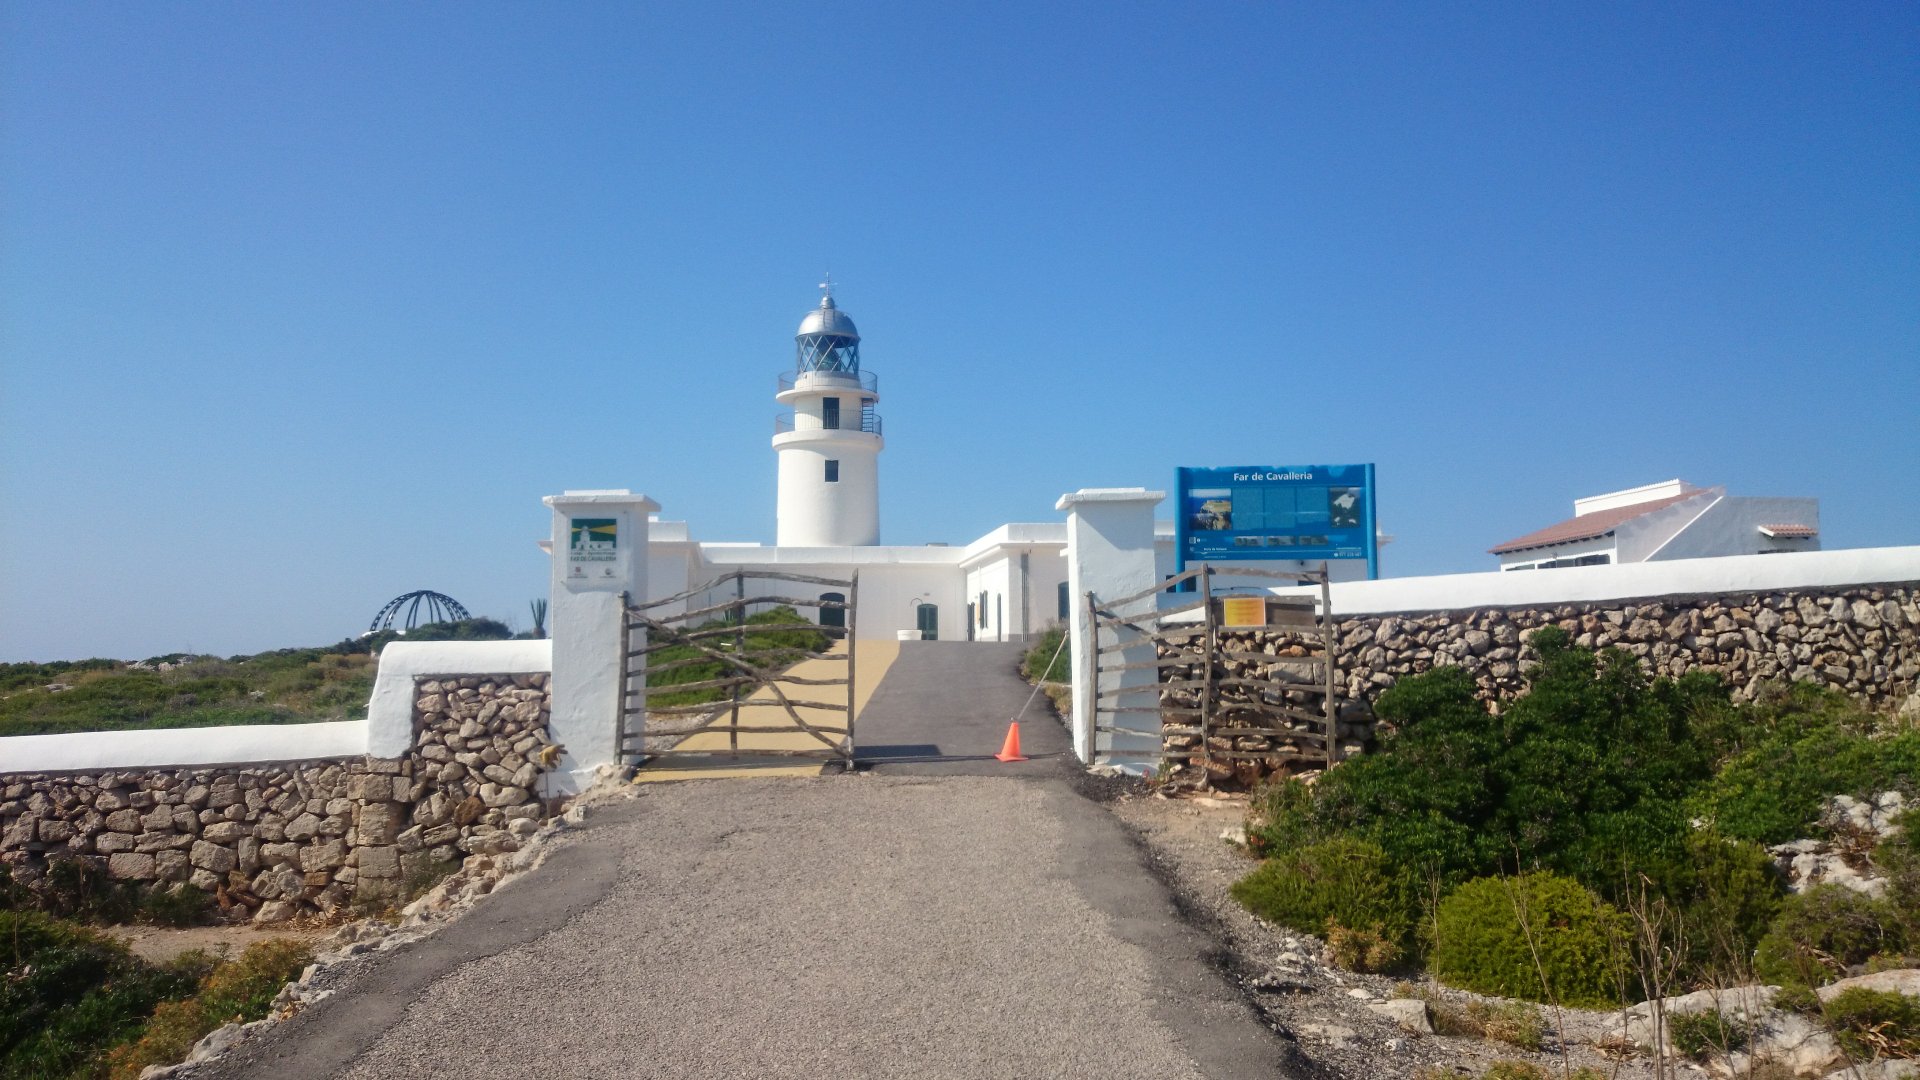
x,y
307,305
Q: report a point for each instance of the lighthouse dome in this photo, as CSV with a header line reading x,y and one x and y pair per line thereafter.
x,y
827,319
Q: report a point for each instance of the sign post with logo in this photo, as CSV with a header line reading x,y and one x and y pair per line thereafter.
x,y
1261,512
599,552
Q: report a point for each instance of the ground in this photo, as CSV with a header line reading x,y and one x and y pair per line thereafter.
x,y
935,913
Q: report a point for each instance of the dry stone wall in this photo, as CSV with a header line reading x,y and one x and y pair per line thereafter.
x,y
276,841
1863,640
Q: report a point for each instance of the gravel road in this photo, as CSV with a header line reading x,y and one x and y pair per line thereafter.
x,y
860,925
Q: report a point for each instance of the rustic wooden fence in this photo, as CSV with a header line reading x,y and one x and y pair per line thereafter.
x,y
743,680
1218,699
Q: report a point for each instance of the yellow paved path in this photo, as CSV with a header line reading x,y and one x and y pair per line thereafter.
x,y
871,661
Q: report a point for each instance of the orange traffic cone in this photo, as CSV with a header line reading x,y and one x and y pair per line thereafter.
x,y
1011,751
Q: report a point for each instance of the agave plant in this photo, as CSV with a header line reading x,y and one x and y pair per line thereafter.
x,y
539,618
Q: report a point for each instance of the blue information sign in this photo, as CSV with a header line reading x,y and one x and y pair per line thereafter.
x,y
1261,512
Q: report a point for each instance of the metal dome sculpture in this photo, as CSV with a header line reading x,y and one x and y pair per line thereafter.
x,y
439,606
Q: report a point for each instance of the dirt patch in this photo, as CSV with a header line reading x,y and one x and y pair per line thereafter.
x,y
159,944
1331,1012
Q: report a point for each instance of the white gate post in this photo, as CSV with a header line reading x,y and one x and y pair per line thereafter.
x,y
1110,553
599,552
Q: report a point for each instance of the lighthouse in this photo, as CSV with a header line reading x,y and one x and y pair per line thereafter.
x,y
829,443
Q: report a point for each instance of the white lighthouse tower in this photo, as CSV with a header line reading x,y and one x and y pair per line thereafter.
x,y
829,445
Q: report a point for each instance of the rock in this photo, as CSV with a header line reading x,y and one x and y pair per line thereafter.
x,y
216,1042
303,828
1336,1035
325,855
129,866
171,866
1887,1069
379,823
1409,1013
1898,980
225,832
274,911
370,787
379,862
212,857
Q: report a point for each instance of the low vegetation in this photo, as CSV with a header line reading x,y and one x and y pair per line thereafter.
x,y
76,1003
284,686
765,649
1595,839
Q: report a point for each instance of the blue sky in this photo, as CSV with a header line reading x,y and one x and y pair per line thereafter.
x,y
303,306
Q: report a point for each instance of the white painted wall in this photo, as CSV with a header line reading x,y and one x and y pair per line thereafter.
x,y
1665,489
1627,581
390,710
814,513
810,511
252,744
892,579
1111,553
584,618
1732,527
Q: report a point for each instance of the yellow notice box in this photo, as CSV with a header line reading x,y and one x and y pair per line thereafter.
x,y
1243,611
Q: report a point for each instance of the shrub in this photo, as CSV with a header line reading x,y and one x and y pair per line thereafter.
x,y
1822,932
1504,936
1728,891
1365,949
1050,659
1819,745
1875,1023
1280,816
1584,774
239,991
1342,881
67,991
1510,1022
1699,1035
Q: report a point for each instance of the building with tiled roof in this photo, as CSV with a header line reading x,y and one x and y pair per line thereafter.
x,y
1669,520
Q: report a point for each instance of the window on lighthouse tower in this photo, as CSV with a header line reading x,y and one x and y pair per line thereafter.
x,y
830,413
833,471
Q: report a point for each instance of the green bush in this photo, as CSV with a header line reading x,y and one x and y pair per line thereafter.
x,y
1502,935
1816,744
1050,659
1343,881
1875,1023
239,991
1707,1033
1585,774
1822,932
1728,892
67,992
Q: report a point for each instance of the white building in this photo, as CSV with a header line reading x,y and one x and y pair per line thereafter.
x,y
1669,520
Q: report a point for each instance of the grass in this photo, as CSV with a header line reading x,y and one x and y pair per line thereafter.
x,y
75,1003
772,650
1515,1023
284,686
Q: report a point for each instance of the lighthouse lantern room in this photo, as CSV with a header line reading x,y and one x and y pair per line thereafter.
x,y
829,444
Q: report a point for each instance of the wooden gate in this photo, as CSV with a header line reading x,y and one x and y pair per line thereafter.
x,y
1245,678
748,668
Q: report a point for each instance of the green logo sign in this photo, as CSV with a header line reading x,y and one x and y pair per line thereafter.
x,y
592,539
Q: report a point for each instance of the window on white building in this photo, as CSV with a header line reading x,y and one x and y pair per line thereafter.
x,y
833,471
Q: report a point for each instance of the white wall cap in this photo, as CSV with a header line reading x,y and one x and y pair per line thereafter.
x,y
1665,489
390,710
89,751
1627,581
1108,495
619,496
